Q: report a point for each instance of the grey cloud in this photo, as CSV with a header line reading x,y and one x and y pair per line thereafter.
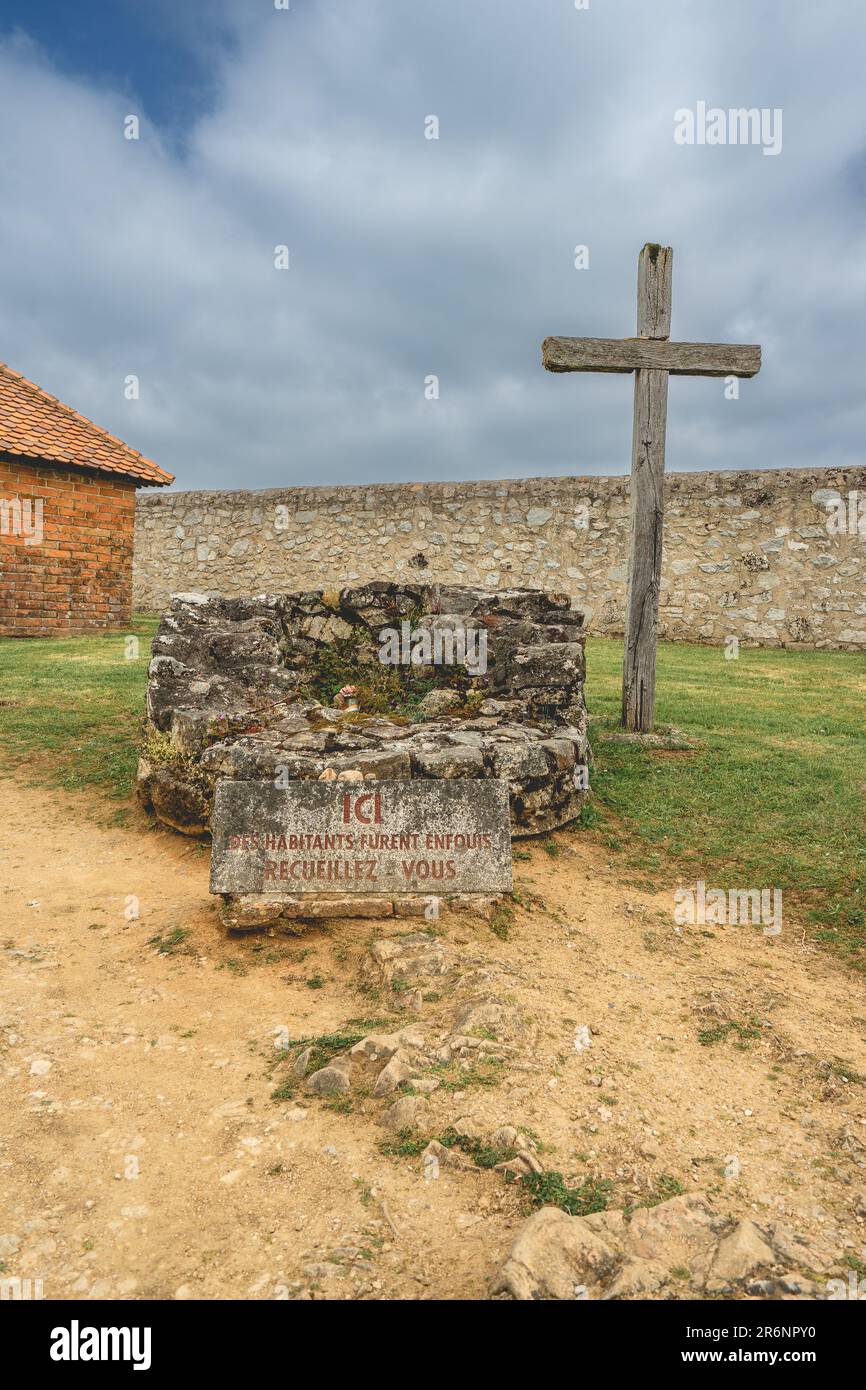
x,y
452,257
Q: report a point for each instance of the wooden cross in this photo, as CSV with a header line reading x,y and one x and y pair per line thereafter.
x,y
652,358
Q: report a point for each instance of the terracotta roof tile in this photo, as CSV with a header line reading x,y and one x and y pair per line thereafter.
x,y
38,426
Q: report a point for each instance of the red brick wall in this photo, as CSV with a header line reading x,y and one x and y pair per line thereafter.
x,y
78,576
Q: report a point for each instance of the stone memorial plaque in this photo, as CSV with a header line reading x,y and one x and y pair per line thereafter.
x,y
429,837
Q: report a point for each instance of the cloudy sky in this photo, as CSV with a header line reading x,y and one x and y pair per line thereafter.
x,y
412,257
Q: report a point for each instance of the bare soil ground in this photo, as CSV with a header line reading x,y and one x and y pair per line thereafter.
x,y
143,1156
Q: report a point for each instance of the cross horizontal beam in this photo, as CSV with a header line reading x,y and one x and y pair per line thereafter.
x,y
638,354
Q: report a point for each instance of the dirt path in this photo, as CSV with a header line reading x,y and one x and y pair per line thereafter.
x,y
143,1156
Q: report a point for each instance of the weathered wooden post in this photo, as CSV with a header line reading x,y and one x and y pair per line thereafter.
x,y
652,358
646,524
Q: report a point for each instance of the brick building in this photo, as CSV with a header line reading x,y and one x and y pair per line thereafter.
x,y
67,507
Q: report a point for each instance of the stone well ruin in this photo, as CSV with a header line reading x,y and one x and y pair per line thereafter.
x,y
246,688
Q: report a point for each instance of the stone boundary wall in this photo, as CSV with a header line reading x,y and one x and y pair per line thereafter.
x,y
755,555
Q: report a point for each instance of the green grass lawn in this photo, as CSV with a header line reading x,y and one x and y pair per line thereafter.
x,y
71,709
772,796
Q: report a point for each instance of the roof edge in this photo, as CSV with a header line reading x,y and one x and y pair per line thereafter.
x,y
140,479
139,465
